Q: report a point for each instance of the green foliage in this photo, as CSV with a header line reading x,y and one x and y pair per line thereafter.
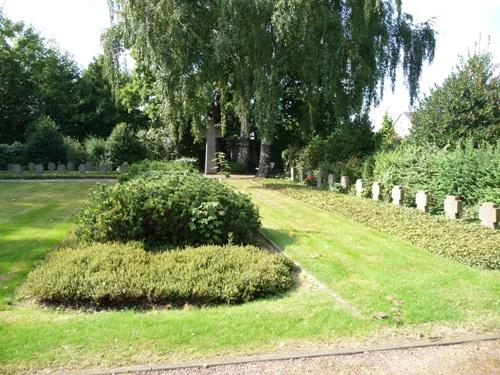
x,y
237,168
45,143
75,152
471,173
158,143
387,138
223,167
464,107
124,146
147,167
124,274
176,209
467,243
12,154
95,149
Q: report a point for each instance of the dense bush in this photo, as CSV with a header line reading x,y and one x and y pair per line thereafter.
x,y
464,107
123,145
12,154
173,209
470,173
45,143
95,150
146,167
467,243
75,153
124,274
158,144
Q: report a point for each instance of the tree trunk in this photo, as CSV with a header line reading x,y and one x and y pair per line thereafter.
x,y
265,158
244,148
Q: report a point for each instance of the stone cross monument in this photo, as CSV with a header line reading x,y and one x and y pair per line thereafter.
x,y
211,134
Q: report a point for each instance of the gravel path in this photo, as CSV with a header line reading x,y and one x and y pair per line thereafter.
x,y
473,358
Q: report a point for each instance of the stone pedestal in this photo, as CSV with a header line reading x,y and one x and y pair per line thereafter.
x,y
398,195
211,136
489,214
376,189
359,187
292,173
344,182
453,207
331,181
318,180
422,201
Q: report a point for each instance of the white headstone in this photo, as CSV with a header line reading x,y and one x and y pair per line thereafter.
x,y
301,174
51,167
309,175
39,168
376,189
344,182
398,195
453,207
422,201
331,181
16,169
61,168
318,180
292,173
359,187
489,214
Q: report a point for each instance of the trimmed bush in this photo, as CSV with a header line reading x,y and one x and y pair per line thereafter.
x,y
75,153
124,274
123,145
175,210
45,143
145,167
95,150
464,242
13,153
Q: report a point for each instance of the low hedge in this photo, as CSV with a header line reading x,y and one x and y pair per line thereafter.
x,y
71,175
464,242
147,167
174,210
113,274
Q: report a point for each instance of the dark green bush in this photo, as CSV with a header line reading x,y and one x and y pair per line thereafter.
x,y
95,150
75,153
145,167
158,143
12,154
124,274
238,168
176,210
464,242
45,143
123,145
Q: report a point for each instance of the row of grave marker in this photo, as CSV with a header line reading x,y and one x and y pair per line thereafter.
x,y
62,168
489,213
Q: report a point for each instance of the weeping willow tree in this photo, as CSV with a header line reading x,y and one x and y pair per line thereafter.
x,y
207,52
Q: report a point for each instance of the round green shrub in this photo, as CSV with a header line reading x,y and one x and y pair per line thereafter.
x,y
124,274
176,210
145,167
95,150
123,145
13,153
45,143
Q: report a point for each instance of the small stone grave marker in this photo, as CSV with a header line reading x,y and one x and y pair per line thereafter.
x,y
292,173
10,167
453,207
344,182
70,166
123,168
422,201
301,174
39,168
89,166
16,169
51,167
103,168
61,168
82,168
331,181
359,187
398,195
489,214
309,175
31,166
318,180
376,191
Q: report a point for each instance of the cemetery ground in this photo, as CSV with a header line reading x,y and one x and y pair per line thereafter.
x,y
358,286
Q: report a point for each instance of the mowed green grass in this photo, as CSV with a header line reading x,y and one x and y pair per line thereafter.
x,y
33,218
362,266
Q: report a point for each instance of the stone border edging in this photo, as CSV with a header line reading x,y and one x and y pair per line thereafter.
x,y
291,355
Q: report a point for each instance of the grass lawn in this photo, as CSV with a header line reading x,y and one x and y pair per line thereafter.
x,y
372,272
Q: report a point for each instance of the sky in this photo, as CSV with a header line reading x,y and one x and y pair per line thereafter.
x,y
76,27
